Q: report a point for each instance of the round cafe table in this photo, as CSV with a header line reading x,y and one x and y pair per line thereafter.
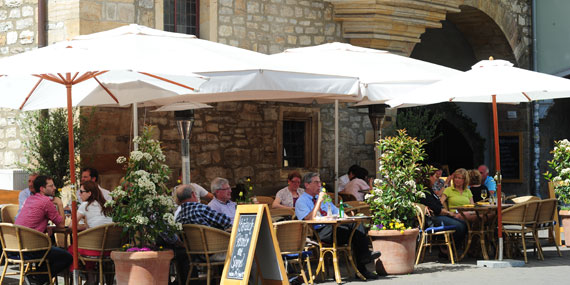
x,y
483,226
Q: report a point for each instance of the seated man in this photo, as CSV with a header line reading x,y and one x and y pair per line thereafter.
x,y
194,212
311,202
26,192
37,211
222,195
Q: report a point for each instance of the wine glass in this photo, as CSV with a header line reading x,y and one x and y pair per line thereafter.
x,y
484,194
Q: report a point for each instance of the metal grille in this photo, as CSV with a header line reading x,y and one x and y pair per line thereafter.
x,y
186,20
293,144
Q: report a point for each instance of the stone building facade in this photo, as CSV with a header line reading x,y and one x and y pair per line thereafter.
x,y
221,146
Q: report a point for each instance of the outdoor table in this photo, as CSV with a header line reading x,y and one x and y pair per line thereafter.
x,y
334,247
483,227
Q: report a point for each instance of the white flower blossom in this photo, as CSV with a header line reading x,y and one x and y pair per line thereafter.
x,y
147,156
121,159
136,155
141,220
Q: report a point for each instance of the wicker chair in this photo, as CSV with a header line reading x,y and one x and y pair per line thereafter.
x,y
201,242
292,237
519,220
265,200
524,199
545,219
20,240
282,213
9,213
428,236
347,197
104,239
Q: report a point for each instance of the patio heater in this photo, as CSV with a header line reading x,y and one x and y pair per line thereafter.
x,y
184,121
379,120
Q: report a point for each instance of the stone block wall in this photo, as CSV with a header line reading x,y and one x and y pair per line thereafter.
x,y
272,26
18,26
11,139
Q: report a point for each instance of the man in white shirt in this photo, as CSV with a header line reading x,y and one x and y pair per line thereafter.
x,y
91,174
222,194
26,192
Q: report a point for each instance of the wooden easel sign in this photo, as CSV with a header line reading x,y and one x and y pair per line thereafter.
x,y
253,239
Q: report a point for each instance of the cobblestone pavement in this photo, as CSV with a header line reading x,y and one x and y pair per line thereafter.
x,y
553,269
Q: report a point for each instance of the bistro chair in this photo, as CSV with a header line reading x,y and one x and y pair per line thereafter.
x,y
20,240
347,197
264,200
103,239
429,235
524,199
9,213
201,243
545,220
279,214
292,237
519,220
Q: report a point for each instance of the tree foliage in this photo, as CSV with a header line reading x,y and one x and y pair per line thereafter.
x,y
47,144
419,122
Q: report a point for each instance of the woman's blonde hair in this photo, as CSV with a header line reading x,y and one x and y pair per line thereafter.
x,y
462,172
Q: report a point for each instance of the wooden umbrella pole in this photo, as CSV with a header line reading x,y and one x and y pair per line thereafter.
x,y
68,86
499,178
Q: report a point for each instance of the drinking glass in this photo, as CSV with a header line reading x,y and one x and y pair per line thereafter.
x,y
484,194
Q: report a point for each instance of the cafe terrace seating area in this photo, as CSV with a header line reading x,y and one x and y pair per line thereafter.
x,y
304,255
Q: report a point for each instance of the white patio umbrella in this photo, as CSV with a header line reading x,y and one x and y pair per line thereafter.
x,y
382,75
490,81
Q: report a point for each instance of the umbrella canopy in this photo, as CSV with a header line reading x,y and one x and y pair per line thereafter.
x,y
491,81
382,75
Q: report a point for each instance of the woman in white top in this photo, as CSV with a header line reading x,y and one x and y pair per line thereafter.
x,y
287,196
93,209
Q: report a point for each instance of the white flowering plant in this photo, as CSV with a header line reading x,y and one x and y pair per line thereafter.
x,y
142,204
560,164
399,185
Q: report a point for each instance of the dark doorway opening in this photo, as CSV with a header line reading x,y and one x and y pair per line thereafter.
x,y
451,149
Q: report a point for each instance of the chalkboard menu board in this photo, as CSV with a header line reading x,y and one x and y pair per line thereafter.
x,y
510,147
241,246
253,243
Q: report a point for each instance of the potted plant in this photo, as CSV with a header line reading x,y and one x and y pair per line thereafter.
x,y
394,232
144,208
560,164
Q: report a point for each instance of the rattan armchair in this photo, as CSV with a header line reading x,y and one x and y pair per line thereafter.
x,y
282,213
429,235
201,243
292,237
519,220
265,200
104,239
545,220
18,241
523,199
9,213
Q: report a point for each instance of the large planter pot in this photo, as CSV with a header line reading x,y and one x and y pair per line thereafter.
x,y
398,251
565,218
142,267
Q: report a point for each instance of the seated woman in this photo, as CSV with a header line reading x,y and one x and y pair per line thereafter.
x,y
357,185
436,183
475,185
287,196
458,194
94,213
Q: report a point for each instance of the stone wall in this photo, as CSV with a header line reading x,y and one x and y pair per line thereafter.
x,y
18,26
273,26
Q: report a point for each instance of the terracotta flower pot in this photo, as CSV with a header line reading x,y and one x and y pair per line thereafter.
x,y
142,267
565,218
398,251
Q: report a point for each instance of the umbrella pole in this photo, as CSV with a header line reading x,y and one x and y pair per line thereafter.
x,y
336,151
135,125
68,86
498,177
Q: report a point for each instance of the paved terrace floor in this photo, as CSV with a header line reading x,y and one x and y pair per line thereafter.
x,y
553,270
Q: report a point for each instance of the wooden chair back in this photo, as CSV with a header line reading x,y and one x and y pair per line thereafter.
x,y
521,214
291,236
524,199
206,240
282,212
265,200
421,215
103,238
347,197
9,213
9,196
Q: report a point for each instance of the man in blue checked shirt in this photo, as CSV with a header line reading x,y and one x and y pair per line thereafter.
x,y
310,204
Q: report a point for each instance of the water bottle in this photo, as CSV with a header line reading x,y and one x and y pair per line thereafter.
x,y
341,210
